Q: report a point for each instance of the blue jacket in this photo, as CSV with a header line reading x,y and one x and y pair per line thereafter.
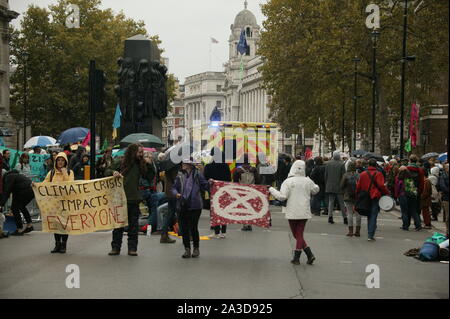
x,y
191,185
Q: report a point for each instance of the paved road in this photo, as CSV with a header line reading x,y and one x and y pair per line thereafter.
x,y
244,265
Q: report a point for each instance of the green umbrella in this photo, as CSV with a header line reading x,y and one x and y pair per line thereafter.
x,y
147,140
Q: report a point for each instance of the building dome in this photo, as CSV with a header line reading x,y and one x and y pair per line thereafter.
x,y
245,18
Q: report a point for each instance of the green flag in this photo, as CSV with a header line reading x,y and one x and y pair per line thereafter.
x,y
408,145
105,145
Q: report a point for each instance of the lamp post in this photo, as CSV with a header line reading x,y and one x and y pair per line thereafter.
x,y
25,60
402,93
375,34
355,100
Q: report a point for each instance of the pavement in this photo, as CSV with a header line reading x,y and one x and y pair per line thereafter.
x,y
245,265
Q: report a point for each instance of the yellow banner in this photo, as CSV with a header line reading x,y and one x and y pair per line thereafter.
x,y
82,207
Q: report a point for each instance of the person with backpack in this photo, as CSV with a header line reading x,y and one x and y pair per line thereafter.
x,y
187,190
414,185
246,174
407,211
79,167
372,182
348,186
297,190
60,173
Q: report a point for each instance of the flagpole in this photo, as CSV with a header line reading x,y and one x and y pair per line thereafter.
x,y
210,49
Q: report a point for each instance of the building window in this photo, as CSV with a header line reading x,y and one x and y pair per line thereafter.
x,y
219,104
219,88
288,135
249,32
248,50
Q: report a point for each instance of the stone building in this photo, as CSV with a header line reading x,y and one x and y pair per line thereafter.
x,y
238,91
7,124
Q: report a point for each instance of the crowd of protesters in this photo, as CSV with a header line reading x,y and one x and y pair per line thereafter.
x,y
305,189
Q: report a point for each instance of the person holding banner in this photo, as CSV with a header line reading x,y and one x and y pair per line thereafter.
x,y
187,189
131,167
297,190
60,173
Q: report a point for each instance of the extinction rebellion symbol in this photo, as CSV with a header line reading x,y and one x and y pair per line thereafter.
x,y
233,203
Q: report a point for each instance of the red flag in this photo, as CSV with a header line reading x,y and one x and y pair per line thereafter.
x,y
233,203
87,139
308,153
414,124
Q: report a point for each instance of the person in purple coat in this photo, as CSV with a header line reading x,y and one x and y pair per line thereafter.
x,y
187,189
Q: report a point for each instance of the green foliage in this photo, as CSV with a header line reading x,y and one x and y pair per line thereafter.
x,y
58,64
308,48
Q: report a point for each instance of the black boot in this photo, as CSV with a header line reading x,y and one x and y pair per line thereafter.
x,y
330,220
345,221
310,255
57,247
62,250
187,253
296,260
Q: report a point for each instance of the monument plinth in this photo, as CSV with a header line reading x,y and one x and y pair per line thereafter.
x,y
141,88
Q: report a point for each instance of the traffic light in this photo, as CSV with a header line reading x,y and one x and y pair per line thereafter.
x,y
99,91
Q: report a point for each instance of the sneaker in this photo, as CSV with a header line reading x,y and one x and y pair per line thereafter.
x,y
222,236
406,229
28,229
418,229
427,227
371,239
217,236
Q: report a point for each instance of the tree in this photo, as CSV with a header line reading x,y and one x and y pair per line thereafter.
x,y
58,63
308,47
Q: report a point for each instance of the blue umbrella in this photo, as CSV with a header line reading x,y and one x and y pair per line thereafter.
x,y
72,135
442,157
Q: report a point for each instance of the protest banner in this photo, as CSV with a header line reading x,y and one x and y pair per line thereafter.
x,y
82,207
233,203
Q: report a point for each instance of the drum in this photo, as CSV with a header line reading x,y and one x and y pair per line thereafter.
x,y
386,203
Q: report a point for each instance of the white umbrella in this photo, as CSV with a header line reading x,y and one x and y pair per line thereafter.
x,y
39,141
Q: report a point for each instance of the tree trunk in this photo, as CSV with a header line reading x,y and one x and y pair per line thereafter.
x,y
383,120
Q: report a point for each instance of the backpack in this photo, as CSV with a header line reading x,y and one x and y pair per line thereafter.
x,y
410,188
363,203
247,177
351,185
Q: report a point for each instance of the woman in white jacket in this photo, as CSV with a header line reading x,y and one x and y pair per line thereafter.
x,y
297,190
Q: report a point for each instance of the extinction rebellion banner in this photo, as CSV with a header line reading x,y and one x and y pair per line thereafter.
x,y
82,207
233,203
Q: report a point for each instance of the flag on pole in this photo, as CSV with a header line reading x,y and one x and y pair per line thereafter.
x,y
408,145
242,48
214,40
105,145
116,123
87,139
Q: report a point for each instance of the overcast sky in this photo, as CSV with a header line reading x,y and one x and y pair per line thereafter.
x,y
184,26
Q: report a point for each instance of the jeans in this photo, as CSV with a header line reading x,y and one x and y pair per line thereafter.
x,y
410,208
316,200
189,220
153,200
352,212
340,198
133,228
170,215
19,206
298,228
372,218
